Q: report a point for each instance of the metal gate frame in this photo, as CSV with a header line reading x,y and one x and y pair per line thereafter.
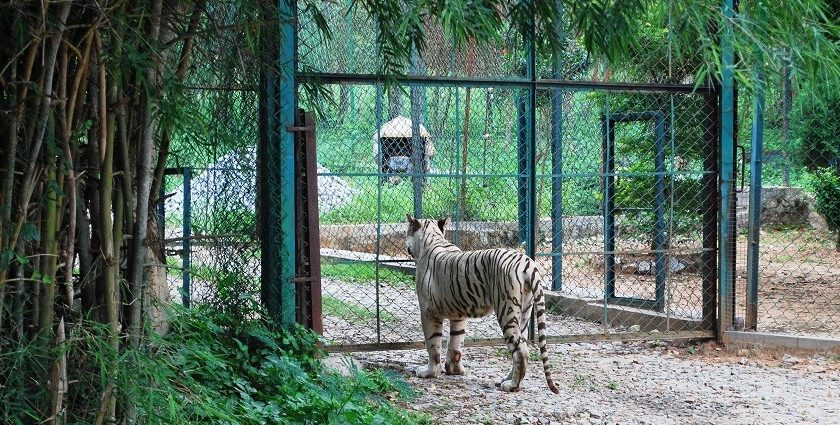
x,y
718,220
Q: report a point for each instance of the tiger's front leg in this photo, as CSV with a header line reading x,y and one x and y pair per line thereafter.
x,y
432,327
457,333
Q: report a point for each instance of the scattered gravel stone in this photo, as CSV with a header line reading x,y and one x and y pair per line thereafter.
x,y
623,383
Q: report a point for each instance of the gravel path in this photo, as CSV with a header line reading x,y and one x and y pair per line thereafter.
x,y
630,383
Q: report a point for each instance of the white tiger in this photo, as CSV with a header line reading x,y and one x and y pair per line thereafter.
x,y
456,285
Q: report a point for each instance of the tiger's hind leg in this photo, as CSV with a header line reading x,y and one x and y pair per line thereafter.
x,y
457,333
518,347
432,327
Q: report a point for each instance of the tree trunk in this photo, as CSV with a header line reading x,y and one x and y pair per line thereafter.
x,y
144,182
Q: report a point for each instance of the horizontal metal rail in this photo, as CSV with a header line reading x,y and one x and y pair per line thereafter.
x,y
521,176
673,251
338,78
560,339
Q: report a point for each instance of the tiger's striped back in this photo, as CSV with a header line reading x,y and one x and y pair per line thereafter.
x,y
454,284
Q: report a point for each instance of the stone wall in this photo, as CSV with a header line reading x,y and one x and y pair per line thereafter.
x,y
780,207
472,234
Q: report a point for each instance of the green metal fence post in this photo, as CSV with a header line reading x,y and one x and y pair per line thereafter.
x,y
726,258
757,150
288,112
186,244
557,167
522,164
532,222
276,195
418,151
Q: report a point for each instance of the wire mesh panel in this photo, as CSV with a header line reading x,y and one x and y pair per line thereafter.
x,y
605,173
798,273
208,221
650,154
625,192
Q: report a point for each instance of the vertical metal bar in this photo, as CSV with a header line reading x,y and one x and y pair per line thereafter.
x,y
313,231
186,247
456,153
522,165
161,217
787,101
659,210
726,277
609,210
348,20
378,113
557,167
161,209
288,113
608,188
710,206
418,152
533,214
757,151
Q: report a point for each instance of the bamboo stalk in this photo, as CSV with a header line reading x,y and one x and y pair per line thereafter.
x,y
69,188
144,177
81,75
14,128
58,377
106,229
106,182
30,174
49,245
183,64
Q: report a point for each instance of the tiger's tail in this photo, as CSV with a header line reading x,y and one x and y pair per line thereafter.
x,y
539,306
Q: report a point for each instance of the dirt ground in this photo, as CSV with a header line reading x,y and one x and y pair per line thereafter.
x,y
799,282
630,383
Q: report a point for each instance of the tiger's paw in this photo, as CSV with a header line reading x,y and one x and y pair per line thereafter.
x,y
428,372
509,387
454,368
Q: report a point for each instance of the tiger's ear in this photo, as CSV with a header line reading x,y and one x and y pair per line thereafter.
x,y
442,224
413,223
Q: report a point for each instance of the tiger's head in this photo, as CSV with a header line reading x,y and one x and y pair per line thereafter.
x,y
419,229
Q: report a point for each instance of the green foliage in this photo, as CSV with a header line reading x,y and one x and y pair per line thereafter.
x,y
210,368
826,186
816,128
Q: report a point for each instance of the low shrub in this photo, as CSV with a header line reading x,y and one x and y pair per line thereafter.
x,y
826,186
210,368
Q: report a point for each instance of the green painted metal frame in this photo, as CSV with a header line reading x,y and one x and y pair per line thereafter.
x,y
756,154
726,260
557,166
527,175
276,194
610,176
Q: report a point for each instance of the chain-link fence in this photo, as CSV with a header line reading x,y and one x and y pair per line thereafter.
x,y
797,281
607,175
207,213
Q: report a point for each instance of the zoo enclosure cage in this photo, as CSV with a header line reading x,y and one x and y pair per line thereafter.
x,y
504,171
607,175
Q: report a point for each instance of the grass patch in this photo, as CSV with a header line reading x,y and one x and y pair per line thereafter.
x,y
340,308
365,273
